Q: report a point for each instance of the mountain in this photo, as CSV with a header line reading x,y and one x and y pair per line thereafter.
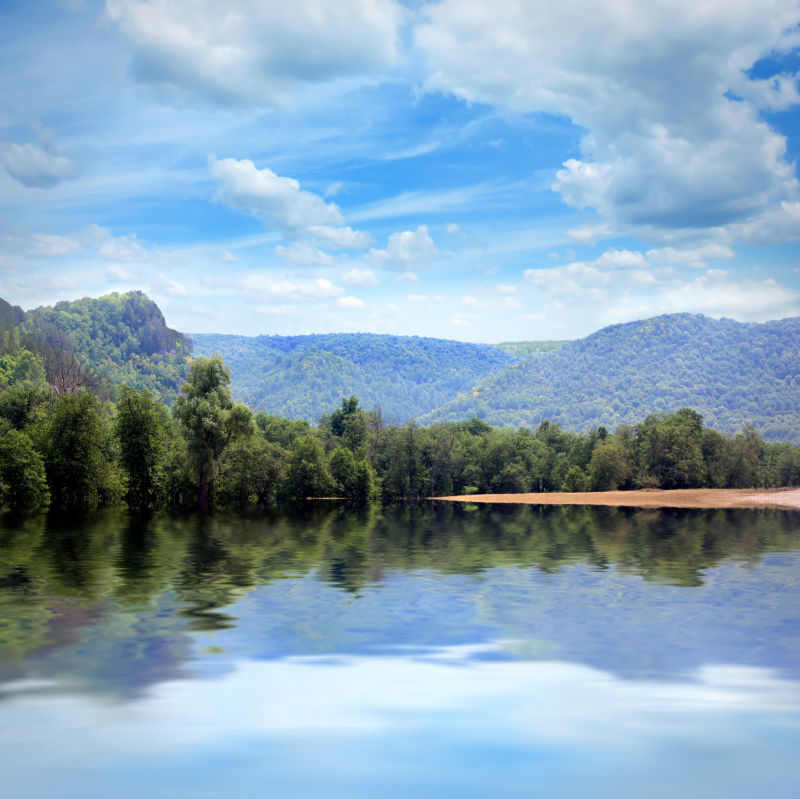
x,y
733,373
122,337
303,377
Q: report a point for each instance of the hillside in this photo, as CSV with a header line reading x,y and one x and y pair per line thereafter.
x,y
732,373
303,377
121,337
519,349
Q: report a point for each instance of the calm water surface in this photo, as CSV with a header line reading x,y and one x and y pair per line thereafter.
x,y
430,652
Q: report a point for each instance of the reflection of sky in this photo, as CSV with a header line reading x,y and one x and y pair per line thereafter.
x,y
606,618
455,722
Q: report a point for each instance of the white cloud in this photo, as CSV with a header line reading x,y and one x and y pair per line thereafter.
x,y
502,288
359,277
228,257
118,273
253,52
405,250
172,287
276,200
463,319
122,248
588,234
334,189
408,277
491,303
350,303
301,253
268,289
666,149
339,238
53,245
417,298
696,258
35,166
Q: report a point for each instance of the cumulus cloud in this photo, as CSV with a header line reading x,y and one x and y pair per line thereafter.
x,y
280,203
94,238
339,238
350,303
268,289
666,150
301,253
359,277
253,52
405,250
695,258
35,166
228,257
276,200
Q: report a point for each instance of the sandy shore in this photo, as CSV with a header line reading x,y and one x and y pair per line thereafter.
x,y
683,498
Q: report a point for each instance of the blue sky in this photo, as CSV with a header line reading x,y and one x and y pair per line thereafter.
x,y
477,170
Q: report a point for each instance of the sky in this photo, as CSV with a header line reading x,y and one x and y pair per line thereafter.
x,y
482,171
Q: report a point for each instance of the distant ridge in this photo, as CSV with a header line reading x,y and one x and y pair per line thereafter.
x,y
305,376
733,373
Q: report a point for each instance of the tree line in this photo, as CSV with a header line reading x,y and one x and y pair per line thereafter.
x,y
75,450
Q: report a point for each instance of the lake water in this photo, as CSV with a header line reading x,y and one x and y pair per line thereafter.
x,y
446,651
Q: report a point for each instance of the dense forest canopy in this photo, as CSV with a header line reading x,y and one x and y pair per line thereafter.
x,y
302,377
733,373
114,340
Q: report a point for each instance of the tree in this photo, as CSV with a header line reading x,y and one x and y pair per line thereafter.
x,y
23,484
210,420
250,471
306,471
608,468
140,432
78,462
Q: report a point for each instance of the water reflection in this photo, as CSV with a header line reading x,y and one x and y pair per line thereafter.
x,y
440,651
452,723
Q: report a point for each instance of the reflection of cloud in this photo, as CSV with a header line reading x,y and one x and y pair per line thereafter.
x,y
462,692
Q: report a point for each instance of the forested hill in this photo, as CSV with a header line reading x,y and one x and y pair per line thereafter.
x,y
121,338
303,377
732,373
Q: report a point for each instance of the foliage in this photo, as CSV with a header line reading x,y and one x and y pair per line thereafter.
x,y
76,445
302,377
732,373
23,484
140,428
209,420
118,339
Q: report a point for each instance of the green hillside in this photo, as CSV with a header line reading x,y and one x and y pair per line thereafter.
x,y
732,373
519,349
121,338
303,377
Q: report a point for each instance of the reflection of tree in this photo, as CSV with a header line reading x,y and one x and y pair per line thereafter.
x,y
131,589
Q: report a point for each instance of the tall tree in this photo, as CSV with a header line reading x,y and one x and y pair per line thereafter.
x,y
79,468
209,419
140,432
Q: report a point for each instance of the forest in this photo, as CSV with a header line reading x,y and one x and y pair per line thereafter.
x,y
731,372
74,450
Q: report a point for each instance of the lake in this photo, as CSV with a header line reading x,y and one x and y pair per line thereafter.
x,y
434,651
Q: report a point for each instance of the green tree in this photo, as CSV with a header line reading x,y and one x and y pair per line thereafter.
x,y
306,471
250,471
608,468
140,432
80,470
23,483
354,478
210,420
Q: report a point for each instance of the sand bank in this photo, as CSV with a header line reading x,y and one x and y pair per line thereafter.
x,y
648,498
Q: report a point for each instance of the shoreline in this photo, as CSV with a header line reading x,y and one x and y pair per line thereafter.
x,y
786,498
